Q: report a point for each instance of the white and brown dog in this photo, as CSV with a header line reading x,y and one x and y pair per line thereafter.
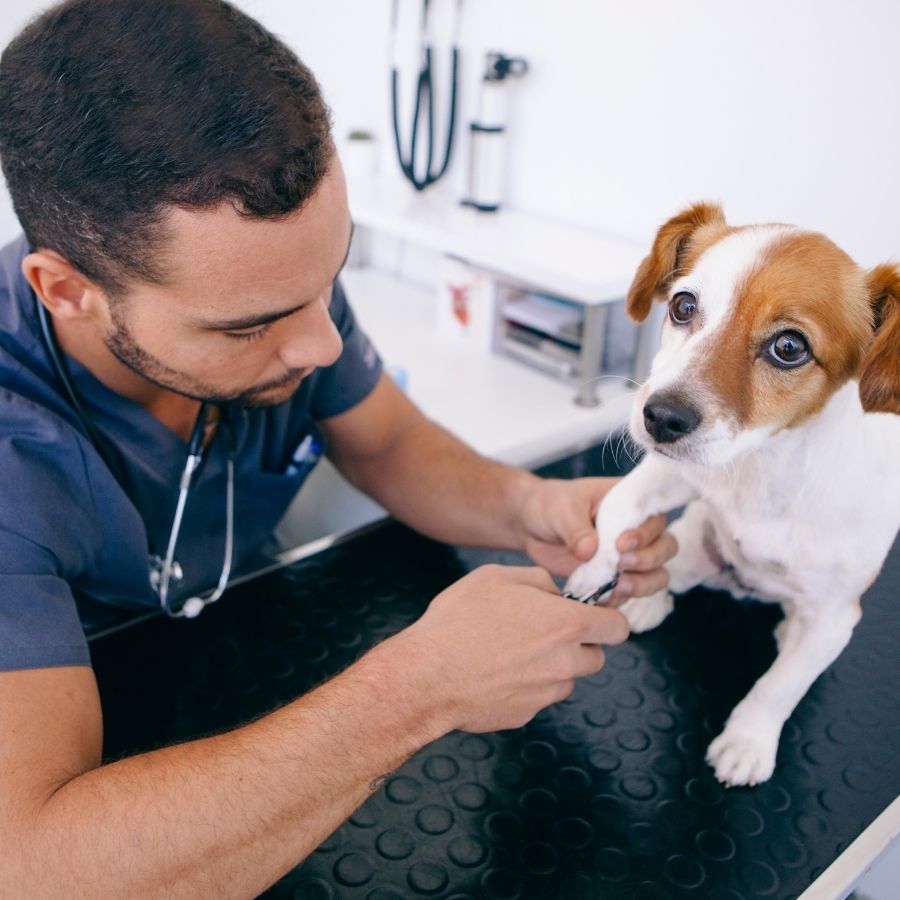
x,y
773,411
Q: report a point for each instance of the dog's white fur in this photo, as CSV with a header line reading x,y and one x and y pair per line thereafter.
x,y
801,515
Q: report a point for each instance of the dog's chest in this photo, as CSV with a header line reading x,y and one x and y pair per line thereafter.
x,y
752,526
754,553
812,523
774,554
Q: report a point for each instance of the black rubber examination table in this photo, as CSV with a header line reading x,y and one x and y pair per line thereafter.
x,y
605,795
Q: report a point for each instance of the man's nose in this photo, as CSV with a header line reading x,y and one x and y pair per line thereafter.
x,y
668,418
318,344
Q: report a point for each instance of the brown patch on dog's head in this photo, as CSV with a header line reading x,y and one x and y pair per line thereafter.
x,y
805,284
675,249
879,380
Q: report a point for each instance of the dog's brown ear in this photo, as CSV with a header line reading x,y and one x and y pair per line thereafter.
x,y
879,379
658,269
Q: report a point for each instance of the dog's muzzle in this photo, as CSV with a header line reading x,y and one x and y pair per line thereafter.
x,y
668,418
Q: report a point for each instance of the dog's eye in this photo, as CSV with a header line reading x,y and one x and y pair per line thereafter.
x,y
682,307
789,349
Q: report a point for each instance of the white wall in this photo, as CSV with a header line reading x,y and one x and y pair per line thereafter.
x,y
11,22
782,109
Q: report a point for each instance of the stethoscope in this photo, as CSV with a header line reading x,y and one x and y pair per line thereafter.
x,y
424,94
163,570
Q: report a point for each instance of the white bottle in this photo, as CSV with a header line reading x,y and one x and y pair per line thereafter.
x,y
487,136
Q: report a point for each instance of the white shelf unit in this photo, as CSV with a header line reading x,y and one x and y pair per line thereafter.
x,y
500,408
604,343
519,252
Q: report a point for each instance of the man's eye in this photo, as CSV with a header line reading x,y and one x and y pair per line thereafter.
x,y
248,335
682,307
788,350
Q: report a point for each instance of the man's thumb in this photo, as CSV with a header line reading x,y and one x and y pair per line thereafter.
x,y
584,545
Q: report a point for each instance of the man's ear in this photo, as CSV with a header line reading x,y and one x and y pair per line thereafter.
x,y
59,286
879,378
658,269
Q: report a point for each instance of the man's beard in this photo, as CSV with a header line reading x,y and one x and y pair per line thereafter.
x,y
123,346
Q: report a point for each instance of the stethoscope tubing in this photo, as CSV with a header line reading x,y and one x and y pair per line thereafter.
x,y
424,93
193,606
62,374
160,581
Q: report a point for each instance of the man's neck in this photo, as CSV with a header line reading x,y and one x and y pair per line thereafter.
x,y
175,411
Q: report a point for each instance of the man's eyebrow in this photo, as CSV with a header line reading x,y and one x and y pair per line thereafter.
x,y
255,320
250,321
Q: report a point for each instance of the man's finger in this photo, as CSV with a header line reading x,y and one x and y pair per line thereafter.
x,y
584,546
536,577
652,557
638,584
643,535
607,626
589,658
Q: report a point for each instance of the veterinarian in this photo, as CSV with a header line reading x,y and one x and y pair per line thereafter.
x,y
185,221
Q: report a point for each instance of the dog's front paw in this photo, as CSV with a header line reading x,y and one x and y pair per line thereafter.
x,y
644,613
741,756
590,575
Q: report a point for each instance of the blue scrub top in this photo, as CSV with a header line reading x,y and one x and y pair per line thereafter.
x,y
74,540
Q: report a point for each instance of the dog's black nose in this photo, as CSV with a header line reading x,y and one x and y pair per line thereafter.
x,y
669,418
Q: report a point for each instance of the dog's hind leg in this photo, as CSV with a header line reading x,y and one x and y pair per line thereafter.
x,y
694,564
744,753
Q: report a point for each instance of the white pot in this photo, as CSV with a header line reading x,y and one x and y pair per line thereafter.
x,y
360,158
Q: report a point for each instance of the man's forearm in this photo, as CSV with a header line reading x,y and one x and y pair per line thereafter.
x,y
226,816
441,487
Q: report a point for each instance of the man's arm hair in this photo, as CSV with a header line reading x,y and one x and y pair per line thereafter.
x,y
224,816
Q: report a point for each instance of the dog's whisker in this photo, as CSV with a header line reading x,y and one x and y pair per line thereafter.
x,y
606,445
597,378
629,446
617,446
620,447
676,272
632,449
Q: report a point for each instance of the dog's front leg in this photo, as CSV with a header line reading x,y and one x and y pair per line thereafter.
x,y
744,753
654,486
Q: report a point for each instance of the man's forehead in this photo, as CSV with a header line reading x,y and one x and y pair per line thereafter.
x,y
220,252
208,245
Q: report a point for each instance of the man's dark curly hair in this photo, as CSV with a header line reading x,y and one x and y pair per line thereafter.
x,y
112,111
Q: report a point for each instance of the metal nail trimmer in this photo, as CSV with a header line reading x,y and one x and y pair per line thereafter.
x,y
594,599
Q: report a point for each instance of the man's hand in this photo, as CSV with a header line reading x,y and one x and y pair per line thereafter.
x,y
437,485
499,645
558,533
